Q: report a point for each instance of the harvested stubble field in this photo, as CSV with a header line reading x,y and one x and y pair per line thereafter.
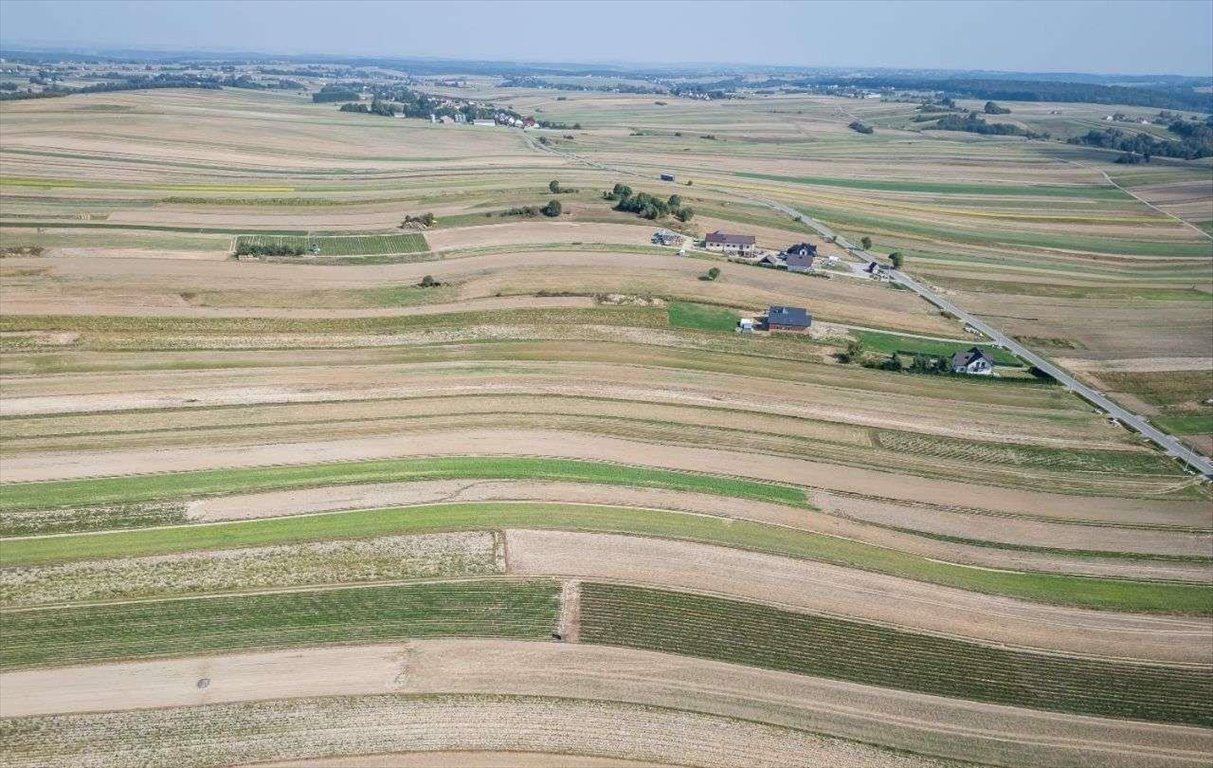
x,y
208,460
307,729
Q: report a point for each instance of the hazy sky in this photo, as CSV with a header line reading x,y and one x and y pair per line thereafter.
x,y
1125,36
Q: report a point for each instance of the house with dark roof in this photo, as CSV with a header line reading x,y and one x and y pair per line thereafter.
x,y
727,243
795,319
799,257
973,362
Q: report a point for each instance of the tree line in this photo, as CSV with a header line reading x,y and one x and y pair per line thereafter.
x,y
1196,141
972,123
647,205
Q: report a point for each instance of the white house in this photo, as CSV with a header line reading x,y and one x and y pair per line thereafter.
x,y
973,362
721,241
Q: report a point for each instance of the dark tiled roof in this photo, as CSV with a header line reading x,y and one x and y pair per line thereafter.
x,y
802,249
799,259
798,316
726,239
964,358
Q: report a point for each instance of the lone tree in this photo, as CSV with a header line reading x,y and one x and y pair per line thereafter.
x,y
713,273
429,282
853,352
866,242
554,187
553,208
897,259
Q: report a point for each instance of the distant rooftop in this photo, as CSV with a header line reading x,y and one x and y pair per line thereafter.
x,y
726,239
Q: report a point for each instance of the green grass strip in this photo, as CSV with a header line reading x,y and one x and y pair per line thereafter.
x,y
1186,423
702,317
142,488
1108,594
758,635
888,343
364,615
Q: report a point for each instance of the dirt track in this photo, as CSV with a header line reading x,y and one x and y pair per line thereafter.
x,y
818,587
497,442
928,724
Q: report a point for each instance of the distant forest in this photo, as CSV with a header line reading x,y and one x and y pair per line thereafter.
x,y
1163,97
139,83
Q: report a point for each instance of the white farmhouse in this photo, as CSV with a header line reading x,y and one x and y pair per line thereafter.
x,y
973,362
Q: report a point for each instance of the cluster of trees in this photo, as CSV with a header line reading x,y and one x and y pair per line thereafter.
x,y
528,211
559,126
944,104
974,124
334,93
1196,141
424,221
376,107
859,127
255,249
993,109
648,206
920,364
552,209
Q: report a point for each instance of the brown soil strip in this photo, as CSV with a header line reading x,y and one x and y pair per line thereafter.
x,y
909,721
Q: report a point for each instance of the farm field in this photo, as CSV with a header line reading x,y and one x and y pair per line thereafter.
x,y
509,485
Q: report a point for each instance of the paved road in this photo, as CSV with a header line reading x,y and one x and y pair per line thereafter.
x,y
1168,443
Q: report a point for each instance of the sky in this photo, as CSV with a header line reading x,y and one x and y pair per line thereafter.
x,y
1105,36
